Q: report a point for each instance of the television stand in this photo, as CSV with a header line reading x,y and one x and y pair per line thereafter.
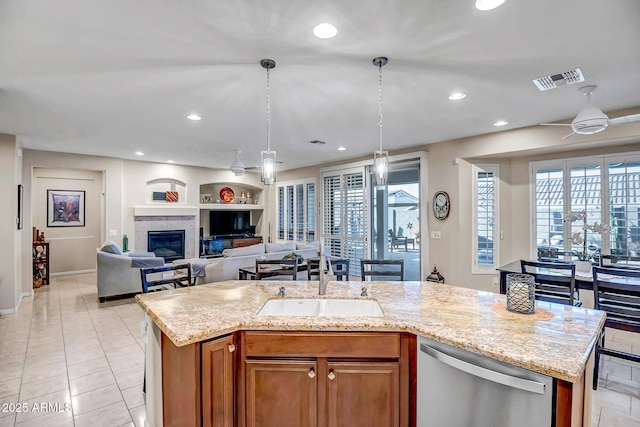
x,y
239,242
228,242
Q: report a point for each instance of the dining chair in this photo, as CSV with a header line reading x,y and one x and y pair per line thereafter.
x,y
340,268
165,277
617,293
555,281
554,255
277,269
387,268
620,261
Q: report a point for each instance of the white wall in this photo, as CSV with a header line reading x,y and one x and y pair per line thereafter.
x,y
10,276
72,248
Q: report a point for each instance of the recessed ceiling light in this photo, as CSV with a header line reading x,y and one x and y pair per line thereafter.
x,y
170,161
194,117
325,31
139,153
488,4
342,148
456,96
501,123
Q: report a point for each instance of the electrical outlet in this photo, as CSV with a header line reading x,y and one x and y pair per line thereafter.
x,y
496,282
113,233
435,234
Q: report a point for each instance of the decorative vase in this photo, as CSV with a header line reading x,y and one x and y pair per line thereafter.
x,y
583,267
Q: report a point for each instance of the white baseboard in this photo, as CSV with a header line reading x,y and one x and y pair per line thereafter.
x,y
69,273
17,307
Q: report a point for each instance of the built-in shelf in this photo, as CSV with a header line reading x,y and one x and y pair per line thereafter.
x,y
231,207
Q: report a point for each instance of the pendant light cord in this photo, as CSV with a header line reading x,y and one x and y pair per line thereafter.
x,y
268,111
380,104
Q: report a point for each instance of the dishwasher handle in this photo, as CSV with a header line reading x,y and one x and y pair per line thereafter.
x,y
487,374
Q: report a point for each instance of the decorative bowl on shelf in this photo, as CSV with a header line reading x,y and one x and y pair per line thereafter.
x,y
227,195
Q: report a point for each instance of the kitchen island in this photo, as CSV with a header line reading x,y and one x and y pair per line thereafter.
x,y
202,329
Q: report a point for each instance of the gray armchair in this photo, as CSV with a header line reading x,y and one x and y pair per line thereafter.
x,y
120,274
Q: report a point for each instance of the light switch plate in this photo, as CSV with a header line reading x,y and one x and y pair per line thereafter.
x,y
113,233
435,234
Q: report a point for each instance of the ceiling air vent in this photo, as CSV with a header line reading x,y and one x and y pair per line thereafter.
x,y
566,78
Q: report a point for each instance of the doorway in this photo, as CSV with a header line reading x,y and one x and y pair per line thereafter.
x,y
395,219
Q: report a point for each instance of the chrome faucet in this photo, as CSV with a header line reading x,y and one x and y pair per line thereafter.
x,y
281,293
323,277
322,282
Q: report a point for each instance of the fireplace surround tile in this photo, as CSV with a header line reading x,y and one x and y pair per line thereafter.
x,y
144,224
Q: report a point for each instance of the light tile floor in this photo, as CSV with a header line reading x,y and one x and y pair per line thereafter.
x,y
64,350
70,361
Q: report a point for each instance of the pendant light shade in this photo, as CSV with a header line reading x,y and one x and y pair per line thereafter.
x,y
268,167
380,157
268,158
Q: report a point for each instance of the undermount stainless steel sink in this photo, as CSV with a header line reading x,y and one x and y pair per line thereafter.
x,y
321,307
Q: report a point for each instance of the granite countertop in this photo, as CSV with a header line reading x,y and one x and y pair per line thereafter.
x,y
462,317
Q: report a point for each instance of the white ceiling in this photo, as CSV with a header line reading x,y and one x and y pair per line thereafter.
x,y
112,77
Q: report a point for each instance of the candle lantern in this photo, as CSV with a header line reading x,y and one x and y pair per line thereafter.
x,y
521,293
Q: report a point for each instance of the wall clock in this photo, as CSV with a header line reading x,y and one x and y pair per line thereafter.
x,y
441,205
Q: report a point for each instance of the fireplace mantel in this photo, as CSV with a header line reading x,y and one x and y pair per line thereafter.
x,y
184,210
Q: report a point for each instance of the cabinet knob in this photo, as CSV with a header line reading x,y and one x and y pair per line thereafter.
x,y
312,373
331,375
232,348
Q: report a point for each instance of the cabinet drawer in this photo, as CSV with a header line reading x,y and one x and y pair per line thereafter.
x,y
323,344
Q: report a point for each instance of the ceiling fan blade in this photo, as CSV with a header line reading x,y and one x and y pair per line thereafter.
x,y
625,119
555,124
568,136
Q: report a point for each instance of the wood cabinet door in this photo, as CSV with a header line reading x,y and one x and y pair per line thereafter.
x,y
281,393
218,382
363,394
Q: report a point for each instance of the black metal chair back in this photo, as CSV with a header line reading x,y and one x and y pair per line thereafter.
x,y
286,269
387,269
553,255
620,261
340,268
616,292
165,277
555,282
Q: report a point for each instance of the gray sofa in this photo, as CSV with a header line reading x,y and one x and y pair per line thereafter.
x,y
227,266
119,274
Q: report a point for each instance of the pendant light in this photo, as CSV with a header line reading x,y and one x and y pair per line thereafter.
x,y
380,157
268,157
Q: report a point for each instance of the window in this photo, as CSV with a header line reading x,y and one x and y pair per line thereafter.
x,y
296,211
606,188
485,219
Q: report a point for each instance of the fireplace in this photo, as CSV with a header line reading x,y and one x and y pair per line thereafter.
x,y
167,244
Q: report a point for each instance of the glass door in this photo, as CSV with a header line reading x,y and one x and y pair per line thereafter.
x,y
395,219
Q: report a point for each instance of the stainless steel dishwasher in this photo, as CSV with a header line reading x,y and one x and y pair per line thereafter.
x,y
457,388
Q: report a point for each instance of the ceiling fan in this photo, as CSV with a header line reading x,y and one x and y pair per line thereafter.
x,y
238,168
591,119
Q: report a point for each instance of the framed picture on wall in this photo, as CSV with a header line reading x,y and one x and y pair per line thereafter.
x,y
20,201
65,208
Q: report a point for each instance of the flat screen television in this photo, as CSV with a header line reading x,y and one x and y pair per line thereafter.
x,y
226,223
